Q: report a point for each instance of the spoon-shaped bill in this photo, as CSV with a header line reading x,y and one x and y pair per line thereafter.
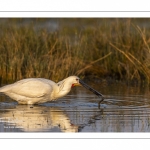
x,y
92,90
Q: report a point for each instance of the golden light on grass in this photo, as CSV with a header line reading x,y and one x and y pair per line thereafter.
x,y
116,48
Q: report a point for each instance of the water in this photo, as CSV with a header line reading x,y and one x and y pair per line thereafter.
x,y
126,108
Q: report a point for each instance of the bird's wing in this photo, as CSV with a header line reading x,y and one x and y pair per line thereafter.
x,y
32,88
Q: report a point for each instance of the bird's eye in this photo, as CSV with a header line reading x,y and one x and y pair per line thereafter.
x,y
77,79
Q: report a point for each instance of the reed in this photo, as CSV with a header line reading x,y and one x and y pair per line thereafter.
x,y
114,48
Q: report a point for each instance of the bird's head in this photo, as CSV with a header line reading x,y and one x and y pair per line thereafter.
x,y
75,81
72,81
68,83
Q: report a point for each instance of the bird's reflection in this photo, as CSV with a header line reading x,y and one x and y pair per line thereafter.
x,y
36,118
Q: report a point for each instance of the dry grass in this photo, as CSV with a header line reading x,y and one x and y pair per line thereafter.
x,y
116,48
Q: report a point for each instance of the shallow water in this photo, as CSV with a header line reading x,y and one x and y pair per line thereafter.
x,y
125,109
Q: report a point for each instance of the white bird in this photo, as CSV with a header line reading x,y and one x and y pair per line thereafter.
x,y
40,90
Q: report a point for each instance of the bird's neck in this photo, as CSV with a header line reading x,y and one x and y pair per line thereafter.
x,y
63,88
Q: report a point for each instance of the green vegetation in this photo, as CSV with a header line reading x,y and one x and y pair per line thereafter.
x,y
116,48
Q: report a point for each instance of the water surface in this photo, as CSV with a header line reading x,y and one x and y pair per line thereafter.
x,y
126,108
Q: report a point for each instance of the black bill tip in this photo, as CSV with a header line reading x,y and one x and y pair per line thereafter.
x,y
92,90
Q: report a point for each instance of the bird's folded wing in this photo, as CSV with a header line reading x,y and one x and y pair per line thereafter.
x,y
32,88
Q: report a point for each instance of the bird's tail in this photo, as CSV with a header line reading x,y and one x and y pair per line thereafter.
x,y
1,89
4,88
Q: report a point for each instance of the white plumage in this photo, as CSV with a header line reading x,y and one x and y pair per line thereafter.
x,y
40,90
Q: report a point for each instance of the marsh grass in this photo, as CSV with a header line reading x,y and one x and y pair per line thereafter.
x,y
116,48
